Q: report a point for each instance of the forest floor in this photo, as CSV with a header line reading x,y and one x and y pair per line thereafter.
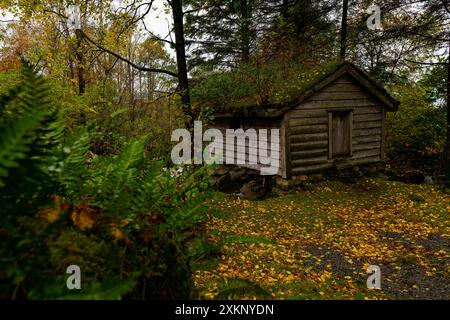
x,y
318,244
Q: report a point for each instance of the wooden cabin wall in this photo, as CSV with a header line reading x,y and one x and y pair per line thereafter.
x,y
308,128
251,123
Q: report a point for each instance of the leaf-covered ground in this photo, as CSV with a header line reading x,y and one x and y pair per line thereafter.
x,y
318,244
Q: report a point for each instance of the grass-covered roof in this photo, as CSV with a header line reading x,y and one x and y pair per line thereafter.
x,y
272,84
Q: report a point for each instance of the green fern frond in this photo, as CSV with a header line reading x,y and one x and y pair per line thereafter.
x,y
120,178
238,288
30,130
113,289
16,140
9,96
74,173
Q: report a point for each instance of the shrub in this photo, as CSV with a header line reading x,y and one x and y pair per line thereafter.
x,y
418,127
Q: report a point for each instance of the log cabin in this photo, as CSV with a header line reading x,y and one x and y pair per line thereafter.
x,y
336,120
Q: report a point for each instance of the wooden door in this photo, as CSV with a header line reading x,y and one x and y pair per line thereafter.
x,y
341,134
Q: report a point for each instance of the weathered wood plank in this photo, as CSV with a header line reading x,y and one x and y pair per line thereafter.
x,y
259,136
257,127
345,79
296,122
253,149
308,145
368,124
366,139
354,103
330,135
351,124
307,113
336,96
366,153
368,117
309,154
309,137
366,132
303,170
366,160
367,146
287,147
321,128
309,162
342,87
368,110
383,136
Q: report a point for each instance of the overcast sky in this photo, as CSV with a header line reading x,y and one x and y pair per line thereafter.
x,y
160,22
157,21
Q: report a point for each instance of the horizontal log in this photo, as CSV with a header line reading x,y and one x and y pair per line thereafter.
x,y
342,87
367,146
295,122
309,154
351,103
309,137
345,79
321,128
368,117
301,112
366,153
309,145
336,96
368,110
258,126
366,132
260,138
303,170
367,125
255,148
367,139
309,162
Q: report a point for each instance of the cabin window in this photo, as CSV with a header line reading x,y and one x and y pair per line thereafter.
x,y
340,134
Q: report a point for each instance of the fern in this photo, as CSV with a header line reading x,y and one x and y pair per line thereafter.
x,y
113,180
15,141
118,184
30,130
114,289
38,160
238,288
73,173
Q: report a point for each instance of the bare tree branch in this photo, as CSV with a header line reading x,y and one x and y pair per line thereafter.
x,y
446,6
155,37
427,63
140,68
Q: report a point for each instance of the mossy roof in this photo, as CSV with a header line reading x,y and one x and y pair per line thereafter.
x,y
273,89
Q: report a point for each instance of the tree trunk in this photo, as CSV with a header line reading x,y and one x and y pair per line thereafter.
x,y
343,52
447,157
246,16
80,63
285,9
177,12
